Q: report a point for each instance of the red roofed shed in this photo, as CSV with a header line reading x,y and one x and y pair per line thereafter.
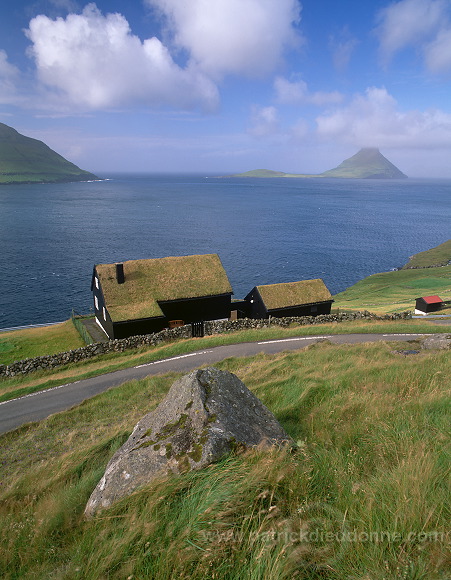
x,y
427,304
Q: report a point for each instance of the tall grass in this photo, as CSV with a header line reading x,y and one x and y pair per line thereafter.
x,y
363,497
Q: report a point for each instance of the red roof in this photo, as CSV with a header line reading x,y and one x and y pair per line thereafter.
x,y
432,299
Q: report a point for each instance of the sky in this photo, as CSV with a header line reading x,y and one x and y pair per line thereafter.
x,y
225,86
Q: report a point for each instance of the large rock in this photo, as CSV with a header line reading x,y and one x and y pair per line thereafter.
x,y
437,341
205,415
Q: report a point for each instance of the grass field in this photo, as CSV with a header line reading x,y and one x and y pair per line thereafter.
x,y
31,342
364,497
396,291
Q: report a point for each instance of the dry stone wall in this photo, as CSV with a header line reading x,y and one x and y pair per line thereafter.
x,y
30,365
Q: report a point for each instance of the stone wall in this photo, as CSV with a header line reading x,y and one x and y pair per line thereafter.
x,y
220,326
38,363
30,365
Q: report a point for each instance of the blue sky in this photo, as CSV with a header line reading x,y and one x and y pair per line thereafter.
x,y
221,86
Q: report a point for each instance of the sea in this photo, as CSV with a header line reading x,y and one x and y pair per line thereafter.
x,y
264,230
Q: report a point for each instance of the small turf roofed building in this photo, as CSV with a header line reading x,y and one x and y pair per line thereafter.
x,y
304,298
427,304
145,296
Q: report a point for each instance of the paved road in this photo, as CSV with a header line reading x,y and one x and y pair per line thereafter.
x,y
39,405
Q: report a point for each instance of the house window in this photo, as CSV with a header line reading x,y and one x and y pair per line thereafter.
x,y
97,282
104,313
314,309
96,302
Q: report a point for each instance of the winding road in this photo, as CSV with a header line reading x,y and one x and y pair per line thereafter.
x,y
37,406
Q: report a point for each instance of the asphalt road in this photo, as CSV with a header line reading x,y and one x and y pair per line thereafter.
x,y
39,405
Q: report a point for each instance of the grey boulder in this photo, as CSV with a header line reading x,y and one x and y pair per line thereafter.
x,y
437,341
205,415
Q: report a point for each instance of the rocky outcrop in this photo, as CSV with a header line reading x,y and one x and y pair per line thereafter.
x,y
205,415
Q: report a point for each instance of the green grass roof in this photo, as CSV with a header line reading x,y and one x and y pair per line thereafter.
x,y
289,294
149,281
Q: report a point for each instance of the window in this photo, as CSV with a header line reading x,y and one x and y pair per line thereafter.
x,y
104,313
97,282
96,302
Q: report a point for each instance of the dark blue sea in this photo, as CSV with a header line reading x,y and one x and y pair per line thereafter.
x,y
264,230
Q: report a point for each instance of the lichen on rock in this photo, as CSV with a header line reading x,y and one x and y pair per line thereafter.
x,y
206,414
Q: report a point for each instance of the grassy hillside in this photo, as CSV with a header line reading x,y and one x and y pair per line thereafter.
x,y
365,496
426,273
438,256
26,160
396,291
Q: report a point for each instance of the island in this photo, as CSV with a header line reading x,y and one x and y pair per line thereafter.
x,y
27,160
368,163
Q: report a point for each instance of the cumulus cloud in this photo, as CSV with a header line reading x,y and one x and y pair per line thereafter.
x,y
297,93
423,24
374,119
243,37
94,61
9,77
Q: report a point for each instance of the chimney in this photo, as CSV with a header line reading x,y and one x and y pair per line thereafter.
x,y
120,273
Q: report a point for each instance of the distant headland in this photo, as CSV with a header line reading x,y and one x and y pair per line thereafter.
x,y
368,163
26,160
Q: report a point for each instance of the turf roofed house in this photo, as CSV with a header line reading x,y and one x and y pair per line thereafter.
x,y
145,296
304,298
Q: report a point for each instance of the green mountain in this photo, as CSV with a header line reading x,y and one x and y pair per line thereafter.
x,y
368,163
26,160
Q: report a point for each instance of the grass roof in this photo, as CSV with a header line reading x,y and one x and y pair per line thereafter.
x,y
289,294
149,281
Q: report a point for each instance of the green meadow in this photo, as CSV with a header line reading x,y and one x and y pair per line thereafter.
x,y
363,496
396,291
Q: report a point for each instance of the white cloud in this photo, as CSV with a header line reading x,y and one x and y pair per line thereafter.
x,y
374,119
265,121
438,52
342,47
423,24
244,37
297,92
9,78
94,61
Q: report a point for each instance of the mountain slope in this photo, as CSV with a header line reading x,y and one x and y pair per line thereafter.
x,y
368,163
27,160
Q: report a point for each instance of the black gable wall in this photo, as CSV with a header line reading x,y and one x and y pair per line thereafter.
x,y
196,309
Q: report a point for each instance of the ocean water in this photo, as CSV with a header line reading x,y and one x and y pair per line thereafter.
x,y
264,230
